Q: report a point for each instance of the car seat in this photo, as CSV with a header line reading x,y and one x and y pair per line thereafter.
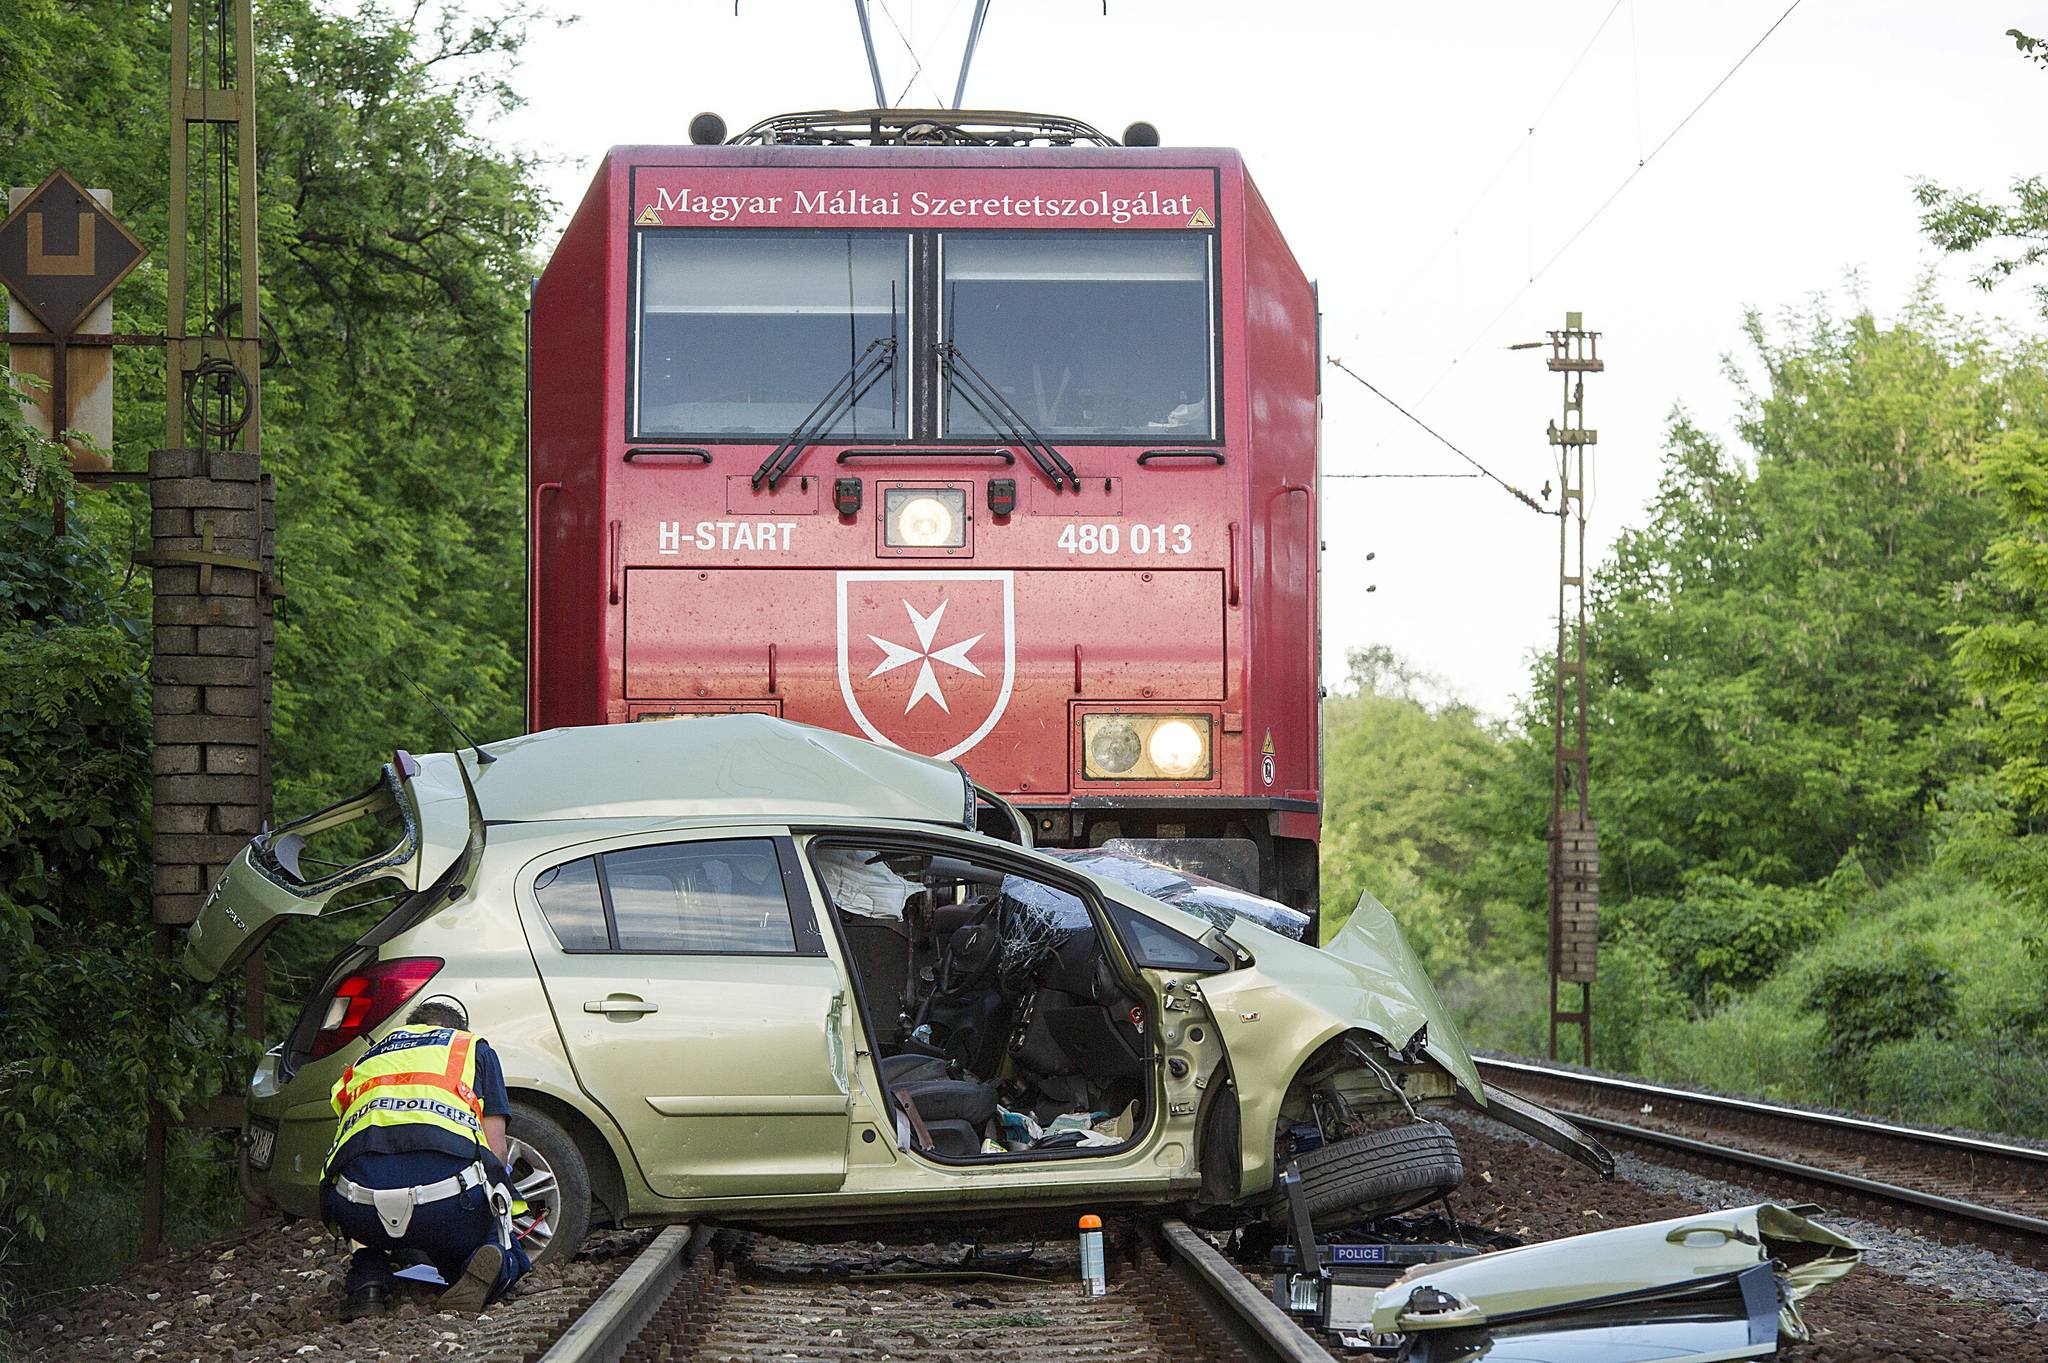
x,y
946,1114
966,1007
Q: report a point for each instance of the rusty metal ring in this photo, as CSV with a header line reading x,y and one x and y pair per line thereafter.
x,y
227,383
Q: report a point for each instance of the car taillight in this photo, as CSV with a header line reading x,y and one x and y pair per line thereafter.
x,y
368,996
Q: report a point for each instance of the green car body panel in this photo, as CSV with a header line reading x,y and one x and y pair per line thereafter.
x,y
1563,1286
778,1111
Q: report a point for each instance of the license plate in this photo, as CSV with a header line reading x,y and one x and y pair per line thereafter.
x,y
261,1138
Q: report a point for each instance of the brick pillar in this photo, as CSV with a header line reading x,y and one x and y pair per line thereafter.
x,y
209,663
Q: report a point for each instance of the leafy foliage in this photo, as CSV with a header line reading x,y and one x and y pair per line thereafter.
x,y
1400,758
1959,221
98,1022
1774,697
1815,668
1867,1003
1723,936
396,248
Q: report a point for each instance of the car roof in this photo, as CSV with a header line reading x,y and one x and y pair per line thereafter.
x,y
718,765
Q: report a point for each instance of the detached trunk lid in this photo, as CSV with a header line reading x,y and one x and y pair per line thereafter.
x,y
422,814
1714,1285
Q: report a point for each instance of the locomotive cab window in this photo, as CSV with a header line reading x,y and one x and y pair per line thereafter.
x,y
742,333
1104,334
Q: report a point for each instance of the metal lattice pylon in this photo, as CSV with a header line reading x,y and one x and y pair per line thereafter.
x,y
1574,837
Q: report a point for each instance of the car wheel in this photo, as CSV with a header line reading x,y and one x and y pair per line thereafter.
x,y
550,1177
1377,1174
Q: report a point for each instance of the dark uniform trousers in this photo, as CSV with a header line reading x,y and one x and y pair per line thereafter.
x,y
446,1232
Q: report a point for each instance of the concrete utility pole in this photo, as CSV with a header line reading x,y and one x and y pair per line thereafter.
x,y
1574,837
211,512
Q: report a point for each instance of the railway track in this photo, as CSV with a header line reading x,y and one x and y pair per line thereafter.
x,y
1959,1189
708,1294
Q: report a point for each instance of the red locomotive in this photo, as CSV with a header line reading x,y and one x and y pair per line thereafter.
x,y
979,434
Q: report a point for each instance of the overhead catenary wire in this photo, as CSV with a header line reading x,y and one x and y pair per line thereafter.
x,y
1440,438
938,100
1404,475
1607,202
1522,148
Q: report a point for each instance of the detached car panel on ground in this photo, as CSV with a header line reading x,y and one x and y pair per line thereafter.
x,y
743,967
1717,1285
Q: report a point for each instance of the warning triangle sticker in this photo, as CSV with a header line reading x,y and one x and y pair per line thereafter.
x,y
648,218
1267,746
1201,219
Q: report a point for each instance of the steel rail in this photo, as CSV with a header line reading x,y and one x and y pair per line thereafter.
x,y
2021,1235
2033,1227
1940,1140
608,1329
605,1330
1227,1290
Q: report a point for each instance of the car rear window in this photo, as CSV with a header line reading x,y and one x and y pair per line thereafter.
x,y
1155,946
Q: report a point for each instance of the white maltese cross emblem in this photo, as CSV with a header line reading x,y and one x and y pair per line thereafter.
x,y
926,628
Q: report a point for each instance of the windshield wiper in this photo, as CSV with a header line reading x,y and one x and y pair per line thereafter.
x,y
1003,417
848,389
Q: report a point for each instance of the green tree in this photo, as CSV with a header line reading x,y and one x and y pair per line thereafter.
x,y
397,243
97,1022
1773,699
1399,757
2001,827
1958,220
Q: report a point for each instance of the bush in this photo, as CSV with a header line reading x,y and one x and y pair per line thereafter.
x,y
1724,935
98,1024
1980,1061
1635,1004
1868,1003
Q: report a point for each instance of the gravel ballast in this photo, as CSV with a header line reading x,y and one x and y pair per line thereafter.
x,y
273,1291
1911,1299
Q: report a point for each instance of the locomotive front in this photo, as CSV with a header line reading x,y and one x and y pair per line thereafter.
x,y
995,450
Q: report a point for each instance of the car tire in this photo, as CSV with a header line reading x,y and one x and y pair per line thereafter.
x,y
1378,1174
550,1164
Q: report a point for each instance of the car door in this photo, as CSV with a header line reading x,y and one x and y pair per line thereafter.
x,y
698,1007
1038,911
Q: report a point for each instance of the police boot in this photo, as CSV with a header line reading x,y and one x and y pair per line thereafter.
x,y
371,1299
471,1290
369,1286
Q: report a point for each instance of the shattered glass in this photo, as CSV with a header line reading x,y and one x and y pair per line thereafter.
x,y
1207,899
1036,920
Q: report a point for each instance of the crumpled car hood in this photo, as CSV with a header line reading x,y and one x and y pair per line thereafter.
x,y
1368,975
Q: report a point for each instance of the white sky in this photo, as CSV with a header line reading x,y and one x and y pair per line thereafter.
x,y
1372,129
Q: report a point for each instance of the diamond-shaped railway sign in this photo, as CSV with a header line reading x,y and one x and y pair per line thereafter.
x,y
61,253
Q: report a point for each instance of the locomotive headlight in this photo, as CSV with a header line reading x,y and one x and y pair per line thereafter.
x,y
924,518
1178,748
1113,744
1146,747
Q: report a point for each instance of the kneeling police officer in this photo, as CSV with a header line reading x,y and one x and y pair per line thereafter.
x,y
418,1163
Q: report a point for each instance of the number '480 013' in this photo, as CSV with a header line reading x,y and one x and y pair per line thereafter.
x,y
1109,537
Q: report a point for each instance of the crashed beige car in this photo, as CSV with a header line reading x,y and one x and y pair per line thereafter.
x,y
748,969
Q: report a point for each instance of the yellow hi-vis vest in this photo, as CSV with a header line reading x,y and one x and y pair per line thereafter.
x,y
415,1076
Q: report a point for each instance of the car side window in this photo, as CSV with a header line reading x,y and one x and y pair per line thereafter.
x,y
1155,946
716,898
573,904
729,897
